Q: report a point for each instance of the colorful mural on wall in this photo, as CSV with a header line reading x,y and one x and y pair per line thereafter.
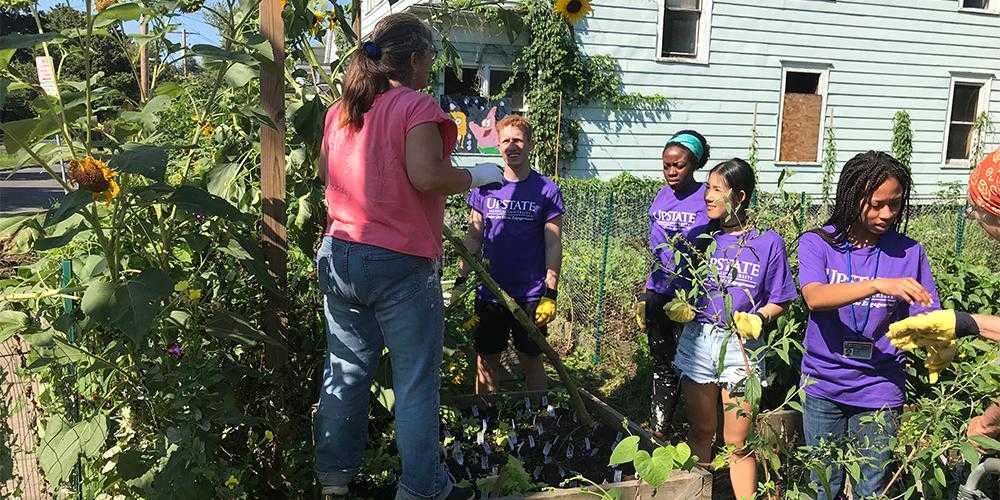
x,y
476,118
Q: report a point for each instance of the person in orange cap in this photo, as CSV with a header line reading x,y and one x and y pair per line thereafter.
x,y
937,331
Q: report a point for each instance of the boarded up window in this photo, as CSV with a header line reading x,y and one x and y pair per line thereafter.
x,y
680,28
964,109
802,111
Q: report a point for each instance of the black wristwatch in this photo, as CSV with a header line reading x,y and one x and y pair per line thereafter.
x,y
550,293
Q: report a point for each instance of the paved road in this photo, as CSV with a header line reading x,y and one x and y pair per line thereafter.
x,y
27,189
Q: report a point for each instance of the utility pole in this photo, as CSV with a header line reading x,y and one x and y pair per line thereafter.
x,y
184,44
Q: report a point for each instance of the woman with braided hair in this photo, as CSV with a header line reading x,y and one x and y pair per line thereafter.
x,y
859,274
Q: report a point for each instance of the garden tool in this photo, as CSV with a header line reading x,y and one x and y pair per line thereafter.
x,y
970,490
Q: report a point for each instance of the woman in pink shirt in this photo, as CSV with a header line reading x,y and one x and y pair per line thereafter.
x,y
386,162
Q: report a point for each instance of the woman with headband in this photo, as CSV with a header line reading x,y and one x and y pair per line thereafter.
x,y
677,215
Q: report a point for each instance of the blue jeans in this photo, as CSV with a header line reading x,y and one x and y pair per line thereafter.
x,y
825,420
375,298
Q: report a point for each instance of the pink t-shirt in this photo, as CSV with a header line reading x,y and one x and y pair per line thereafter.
x,y
369,197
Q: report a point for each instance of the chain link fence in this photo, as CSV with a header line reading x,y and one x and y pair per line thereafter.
x,y
606,257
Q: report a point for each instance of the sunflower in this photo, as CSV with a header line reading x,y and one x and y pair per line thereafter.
x,y
572,10
95,176
102,5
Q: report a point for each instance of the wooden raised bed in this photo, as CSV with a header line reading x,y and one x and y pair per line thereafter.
x,y
694,485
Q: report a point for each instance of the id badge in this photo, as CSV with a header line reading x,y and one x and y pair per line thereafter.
x,y
858,350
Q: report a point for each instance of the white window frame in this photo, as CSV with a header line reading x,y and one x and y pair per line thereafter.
x,y
704,36
992,7
823,87
986,89
484,85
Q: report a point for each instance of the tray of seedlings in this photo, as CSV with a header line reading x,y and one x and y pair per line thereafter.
x,y
533,445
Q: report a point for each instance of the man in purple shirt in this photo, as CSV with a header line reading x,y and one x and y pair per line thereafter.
x,y
517,228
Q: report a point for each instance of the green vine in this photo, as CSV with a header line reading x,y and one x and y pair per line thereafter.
x,y
558,76
902,138
829,162
982,130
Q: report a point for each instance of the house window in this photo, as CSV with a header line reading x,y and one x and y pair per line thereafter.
x,y
484,82
969,97
684,30
803,101
975,4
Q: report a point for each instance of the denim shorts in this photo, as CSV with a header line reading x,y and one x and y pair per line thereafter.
x,y
698,353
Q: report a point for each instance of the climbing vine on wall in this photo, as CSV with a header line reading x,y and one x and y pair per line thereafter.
x,y
558,77
902,137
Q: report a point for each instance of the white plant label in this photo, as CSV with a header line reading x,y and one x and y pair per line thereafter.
x,y
480,437
618,476
547,449
46,75
551,410
531,441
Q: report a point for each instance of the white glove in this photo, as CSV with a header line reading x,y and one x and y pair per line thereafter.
x,y
486,173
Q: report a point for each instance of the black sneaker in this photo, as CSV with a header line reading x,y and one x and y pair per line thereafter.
x,y
462,493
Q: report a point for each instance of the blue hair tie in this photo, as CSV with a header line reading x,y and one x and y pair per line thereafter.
x,y
374,52
691,143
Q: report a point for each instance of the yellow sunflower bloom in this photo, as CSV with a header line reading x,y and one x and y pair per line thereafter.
x,y
95,176
572,10
102,5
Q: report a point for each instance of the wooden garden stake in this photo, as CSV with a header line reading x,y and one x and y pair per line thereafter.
x,y
526,322
558,135
274,237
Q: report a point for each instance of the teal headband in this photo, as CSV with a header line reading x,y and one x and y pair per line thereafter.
x,y
691,143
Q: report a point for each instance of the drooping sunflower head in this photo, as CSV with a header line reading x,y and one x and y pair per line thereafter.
x,y
95,176
572,10
103,5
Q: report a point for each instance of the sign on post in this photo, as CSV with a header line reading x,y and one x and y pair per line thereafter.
x,y
46,75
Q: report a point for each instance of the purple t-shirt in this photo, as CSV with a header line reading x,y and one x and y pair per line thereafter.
x,y
752,269
670,216
514,217
868,383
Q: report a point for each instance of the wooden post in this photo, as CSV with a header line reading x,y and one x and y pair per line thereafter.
x,y
356,14
144,62
274,238
272,144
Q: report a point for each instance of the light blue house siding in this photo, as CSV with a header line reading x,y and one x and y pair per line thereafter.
x,y
880,56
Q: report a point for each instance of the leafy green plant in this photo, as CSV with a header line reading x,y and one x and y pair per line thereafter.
x,y
902,137
558,76
829,162
656,467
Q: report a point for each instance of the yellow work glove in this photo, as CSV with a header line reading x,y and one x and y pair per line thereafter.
x,y
938,357
640,315
679,311
917,331
471,323
748,325
545,311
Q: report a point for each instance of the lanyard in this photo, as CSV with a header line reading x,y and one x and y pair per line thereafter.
x,y
850,277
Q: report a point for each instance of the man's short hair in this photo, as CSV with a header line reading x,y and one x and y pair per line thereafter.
x,y
518,122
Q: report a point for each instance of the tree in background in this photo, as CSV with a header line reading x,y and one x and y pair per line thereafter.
x,y
108,56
